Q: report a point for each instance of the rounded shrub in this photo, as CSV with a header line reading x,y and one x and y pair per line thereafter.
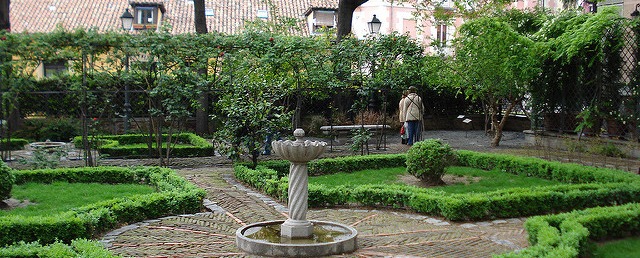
x,y
428,159
6,181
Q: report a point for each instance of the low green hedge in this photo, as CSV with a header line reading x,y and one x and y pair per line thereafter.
x,y
570,234
341,164
174,195
77,248
591,187
540,168
6,181
13,144
121,145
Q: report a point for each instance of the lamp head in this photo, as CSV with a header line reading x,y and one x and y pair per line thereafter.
x,y
127,20
374,25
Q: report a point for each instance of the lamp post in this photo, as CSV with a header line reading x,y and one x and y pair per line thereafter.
x,y
635,13
374,25
127,25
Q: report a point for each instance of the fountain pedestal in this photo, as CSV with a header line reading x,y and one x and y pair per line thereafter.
x,y
299,152
297,236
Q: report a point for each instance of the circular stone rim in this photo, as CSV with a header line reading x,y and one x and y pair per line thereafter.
x,y
295,250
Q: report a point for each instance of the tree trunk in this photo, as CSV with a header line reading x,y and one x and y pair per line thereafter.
x,y
202,113
345,16
497,126
5,22
199,17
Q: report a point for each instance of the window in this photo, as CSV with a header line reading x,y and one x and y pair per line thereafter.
x,y
55,68
263,14
145,15
321,19
441,34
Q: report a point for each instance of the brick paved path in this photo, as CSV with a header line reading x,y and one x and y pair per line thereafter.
x,y
381,233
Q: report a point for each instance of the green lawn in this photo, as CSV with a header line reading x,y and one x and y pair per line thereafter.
x,y
629,247
61,196
488,180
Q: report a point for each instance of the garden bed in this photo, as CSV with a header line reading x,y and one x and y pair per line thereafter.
x,y
13,144
585,187
135,146
174,195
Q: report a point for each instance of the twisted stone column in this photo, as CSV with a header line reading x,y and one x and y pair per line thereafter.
x,y
299,152
298,191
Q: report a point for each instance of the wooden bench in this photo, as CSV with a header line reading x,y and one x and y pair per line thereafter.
x,y
346,129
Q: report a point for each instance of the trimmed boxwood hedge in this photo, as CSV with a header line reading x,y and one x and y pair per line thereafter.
x,y
174,195
13,144
6,181
120,145
341,164
569,234
77,248
588,187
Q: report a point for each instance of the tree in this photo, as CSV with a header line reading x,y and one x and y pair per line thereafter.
x,y
345,16
199,17
257,80
5,22
496,65
202,112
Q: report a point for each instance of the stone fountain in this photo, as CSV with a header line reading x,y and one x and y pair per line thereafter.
x,y
297,236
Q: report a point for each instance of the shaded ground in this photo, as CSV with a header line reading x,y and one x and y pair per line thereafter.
x,y
471,140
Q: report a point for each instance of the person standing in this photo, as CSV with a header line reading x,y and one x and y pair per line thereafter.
x,y
402,117
414,112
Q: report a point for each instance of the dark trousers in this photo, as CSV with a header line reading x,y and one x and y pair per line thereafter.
x,y
413,131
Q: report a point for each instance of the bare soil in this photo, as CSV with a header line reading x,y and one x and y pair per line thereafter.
x,y
448,180
12,203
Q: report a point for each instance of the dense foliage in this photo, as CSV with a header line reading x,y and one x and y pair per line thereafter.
x,y
77,248
257,82
428,159
6,181
498,64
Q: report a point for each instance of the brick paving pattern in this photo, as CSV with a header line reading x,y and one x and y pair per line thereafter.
x,y
381,233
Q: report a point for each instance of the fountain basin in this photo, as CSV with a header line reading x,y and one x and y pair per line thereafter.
x,y
263,238
46,145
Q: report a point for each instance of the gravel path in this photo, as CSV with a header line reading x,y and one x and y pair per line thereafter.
x,y
469,140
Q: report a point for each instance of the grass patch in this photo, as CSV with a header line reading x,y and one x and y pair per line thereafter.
x,y
59,197
362,177
489,180
629,247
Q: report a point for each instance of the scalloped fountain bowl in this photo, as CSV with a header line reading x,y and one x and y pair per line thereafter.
x,y
264,238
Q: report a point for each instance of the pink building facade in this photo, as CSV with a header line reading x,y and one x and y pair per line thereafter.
x,y
401,18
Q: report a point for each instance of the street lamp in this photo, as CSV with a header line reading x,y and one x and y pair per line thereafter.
x,y
127,25
374,25
635,13
127,20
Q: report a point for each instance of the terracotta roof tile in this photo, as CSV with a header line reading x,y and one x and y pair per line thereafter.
x,y
228,17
